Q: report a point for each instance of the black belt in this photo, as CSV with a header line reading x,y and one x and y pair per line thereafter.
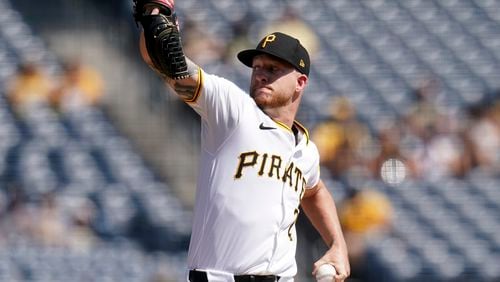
x,y
201,276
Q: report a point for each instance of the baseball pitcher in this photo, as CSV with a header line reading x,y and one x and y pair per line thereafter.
x,y
257,164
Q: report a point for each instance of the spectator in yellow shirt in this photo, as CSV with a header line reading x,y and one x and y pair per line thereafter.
x,y
365,214
81,86
28,87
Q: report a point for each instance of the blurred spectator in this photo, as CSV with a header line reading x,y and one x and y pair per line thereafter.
x,y
442,150
340,137
484,135
424,112
366,211
30,86
291,23
81,236
17,219
80,86
48,225
446,154
364,215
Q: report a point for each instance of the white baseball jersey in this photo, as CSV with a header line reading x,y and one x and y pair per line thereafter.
x,y
253,173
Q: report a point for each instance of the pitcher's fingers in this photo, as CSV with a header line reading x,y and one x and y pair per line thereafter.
x,y
339,277
151,10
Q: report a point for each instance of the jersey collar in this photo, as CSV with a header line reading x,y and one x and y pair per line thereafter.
x,y
298,125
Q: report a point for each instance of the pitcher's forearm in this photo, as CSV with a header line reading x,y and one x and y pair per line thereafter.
x,y
187,88
320,208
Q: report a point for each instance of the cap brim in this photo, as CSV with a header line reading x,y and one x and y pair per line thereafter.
x,y
246,56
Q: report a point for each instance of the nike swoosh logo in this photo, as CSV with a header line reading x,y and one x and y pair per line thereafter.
x,y
263,127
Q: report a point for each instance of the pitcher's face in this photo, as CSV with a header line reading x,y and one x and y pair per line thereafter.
x,y
273,83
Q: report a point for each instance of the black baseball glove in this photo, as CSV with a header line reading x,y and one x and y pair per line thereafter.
x,y
161,34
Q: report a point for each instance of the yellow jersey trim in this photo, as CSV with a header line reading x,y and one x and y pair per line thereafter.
x,y
198,87
282,125
296,123
303,128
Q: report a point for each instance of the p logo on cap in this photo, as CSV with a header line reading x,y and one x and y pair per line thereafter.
x,y
269,38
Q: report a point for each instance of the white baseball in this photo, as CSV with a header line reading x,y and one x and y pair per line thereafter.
x,y
325,273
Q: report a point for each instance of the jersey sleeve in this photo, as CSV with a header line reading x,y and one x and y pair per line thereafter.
x,y
220,104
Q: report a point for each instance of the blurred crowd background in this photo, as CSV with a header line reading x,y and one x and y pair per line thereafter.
x,y
98,158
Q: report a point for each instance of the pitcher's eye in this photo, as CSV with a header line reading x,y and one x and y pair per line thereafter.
x,y
274,69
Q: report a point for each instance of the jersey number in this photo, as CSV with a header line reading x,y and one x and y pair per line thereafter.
x,y
296,215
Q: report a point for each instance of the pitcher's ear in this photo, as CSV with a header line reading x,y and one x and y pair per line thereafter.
x,y
302,80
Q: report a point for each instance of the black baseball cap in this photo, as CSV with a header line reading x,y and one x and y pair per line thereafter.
x,y
281,46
